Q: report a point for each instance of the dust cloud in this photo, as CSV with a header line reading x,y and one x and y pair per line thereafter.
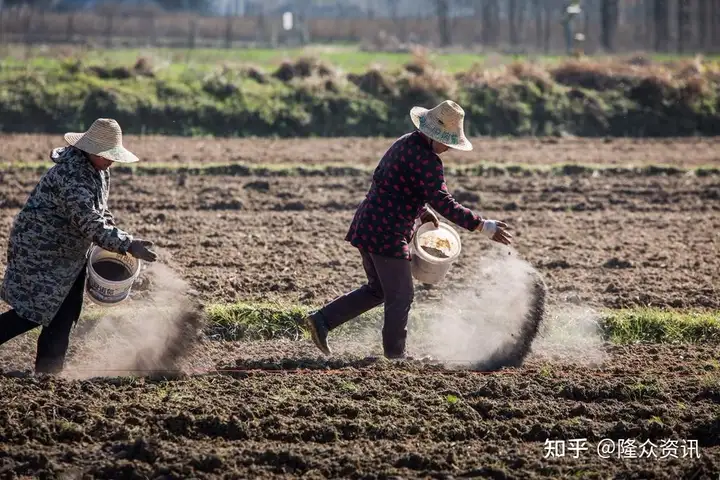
x,y
157,334
503,317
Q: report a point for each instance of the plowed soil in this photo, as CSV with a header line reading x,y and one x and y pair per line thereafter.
x,y
609,241
616,241
372,419
681,152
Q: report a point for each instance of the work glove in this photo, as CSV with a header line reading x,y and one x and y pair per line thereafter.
x,y
141,249
496,230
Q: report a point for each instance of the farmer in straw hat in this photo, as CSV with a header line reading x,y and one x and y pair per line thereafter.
x,y
409,175
67,211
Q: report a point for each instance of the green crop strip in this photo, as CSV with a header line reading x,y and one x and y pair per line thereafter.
x,y
247,321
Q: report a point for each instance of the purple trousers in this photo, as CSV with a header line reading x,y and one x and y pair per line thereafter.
x,y
389,282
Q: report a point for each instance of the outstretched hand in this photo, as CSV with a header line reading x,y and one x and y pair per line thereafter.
x,y
141,249
497,231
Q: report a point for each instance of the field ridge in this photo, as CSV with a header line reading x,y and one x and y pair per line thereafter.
x,y
310,98
347,170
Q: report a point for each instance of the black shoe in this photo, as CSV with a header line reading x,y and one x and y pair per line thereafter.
x,y
410,358
319,333
398,356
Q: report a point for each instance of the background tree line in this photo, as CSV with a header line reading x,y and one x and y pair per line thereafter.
x,y
515,25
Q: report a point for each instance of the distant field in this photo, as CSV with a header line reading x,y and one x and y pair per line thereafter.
x,y
349,58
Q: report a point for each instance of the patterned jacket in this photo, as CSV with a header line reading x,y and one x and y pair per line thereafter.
x,y
408,176
65,213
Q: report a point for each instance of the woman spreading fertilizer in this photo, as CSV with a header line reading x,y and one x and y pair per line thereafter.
x,y
409,175
51,236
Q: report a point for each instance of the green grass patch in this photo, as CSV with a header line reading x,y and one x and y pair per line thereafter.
x,y
661,326
250,321
255,321
350,58
345,170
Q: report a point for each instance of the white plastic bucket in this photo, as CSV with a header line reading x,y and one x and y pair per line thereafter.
x,y
428,268
106,292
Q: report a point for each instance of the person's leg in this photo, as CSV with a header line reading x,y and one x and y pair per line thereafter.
x,y
54,340
396,278
346,307
12,325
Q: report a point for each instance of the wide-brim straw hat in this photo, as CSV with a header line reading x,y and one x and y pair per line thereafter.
x,y
444,124
103,138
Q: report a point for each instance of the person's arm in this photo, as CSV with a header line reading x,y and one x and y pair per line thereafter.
x,y
440,199
109,218
93,223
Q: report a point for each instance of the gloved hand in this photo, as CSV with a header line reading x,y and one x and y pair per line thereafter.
x,y
496,230
141,249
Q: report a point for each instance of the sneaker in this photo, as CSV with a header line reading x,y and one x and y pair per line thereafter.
x,y
319,333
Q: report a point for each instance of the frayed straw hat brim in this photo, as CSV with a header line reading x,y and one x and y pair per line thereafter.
x,y
425,121
103,138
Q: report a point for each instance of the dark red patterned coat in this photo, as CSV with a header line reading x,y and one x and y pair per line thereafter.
x,y
408,176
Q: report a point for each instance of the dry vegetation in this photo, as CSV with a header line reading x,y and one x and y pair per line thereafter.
x,y
309,97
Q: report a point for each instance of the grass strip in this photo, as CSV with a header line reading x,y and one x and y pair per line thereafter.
x,y
249,321
648,325
344,170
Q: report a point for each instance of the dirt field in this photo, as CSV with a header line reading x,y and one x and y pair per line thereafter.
x,y
606,241
371,420
598,241
681,152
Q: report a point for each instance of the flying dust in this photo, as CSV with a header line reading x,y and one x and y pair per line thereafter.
x,y
503,317
157,334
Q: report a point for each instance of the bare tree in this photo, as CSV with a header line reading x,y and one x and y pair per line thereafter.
x,y
443,13
662,25
609,18
490,22
684,25
538,11
702,11
715,24
512,20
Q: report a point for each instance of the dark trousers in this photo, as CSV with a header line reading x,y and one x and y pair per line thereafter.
x,y
389,282
54,339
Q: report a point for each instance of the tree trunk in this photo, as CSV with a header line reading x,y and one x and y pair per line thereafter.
x,y
538,9
548,25
609,18
512,21
443,13
662,25
684,25
648,23
490,20
715,25
703,14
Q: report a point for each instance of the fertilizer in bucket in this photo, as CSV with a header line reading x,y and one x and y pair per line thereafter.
x,y
434,251
110,276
